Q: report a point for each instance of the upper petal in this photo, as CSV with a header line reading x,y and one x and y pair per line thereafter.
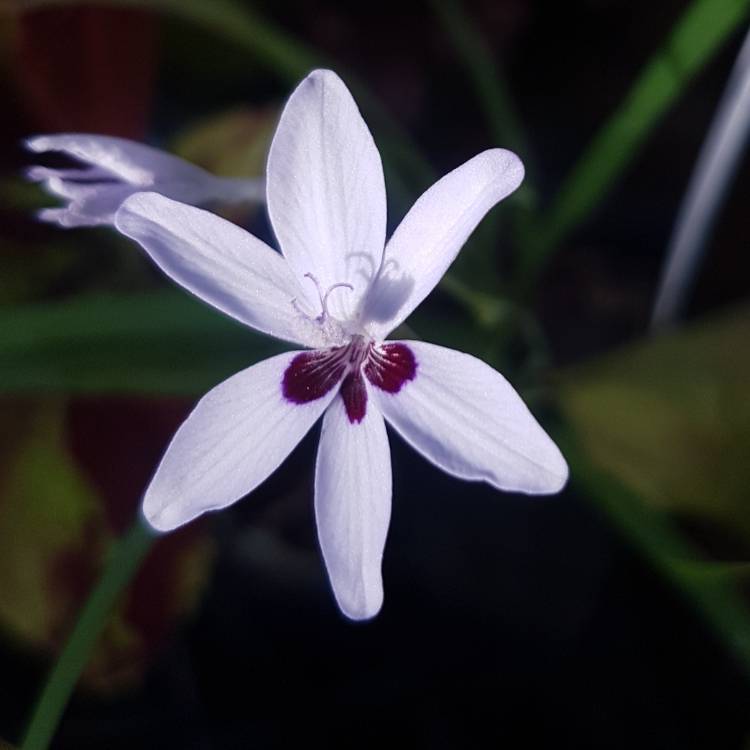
x,y
353,506
115,168
432,233
238,433
465,417
325,189
220,263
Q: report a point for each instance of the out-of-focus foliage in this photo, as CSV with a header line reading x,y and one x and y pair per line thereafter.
x,y
671,419
231,144
55,531
660,439
160,342
698,34
660,432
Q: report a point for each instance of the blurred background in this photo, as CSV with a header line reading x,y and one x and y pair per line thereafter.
x,y
612,616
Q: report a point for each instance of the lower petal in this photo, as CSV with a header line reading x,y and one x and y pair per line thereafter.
x,y
467,419
353,506
235,437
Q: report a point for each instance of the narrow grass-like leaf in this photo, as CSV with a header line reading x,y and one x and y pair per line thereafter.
x,y
697,35
503,121
485,76
163,342
712,177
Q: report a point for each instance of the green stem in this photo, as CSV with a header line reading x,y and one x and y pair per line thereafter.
x,y
123,562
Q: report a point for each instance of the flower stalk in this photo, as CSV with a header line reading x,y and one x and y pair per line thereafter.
x,y
123,562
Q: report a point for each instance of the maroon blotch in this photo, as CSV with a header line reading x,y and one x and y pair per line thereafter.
x,y
310,375
354,393
389,366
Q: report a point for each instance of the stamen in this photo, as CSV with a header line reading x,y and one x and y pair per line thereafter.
x,y
330,289
317,287
323,297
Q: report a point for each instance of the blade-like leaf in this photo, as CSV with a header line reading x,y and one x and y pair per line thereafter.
x,y
162,342
698,34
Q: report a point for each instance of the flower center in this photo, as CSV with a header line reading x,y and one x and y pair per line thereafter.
x,y
311,375
332,330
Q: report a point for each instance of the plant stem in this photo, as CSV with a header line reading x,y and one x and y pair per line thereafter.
x,y
123,562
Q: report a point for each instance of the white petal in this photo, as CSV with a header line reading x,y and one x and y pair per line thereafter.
x,y
326,195
235,437
465,417
432,233
353,506
218,262
114,168
131,161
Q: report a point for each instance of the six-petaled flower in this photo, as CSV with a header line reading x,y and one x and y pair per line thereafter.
x,y
338,290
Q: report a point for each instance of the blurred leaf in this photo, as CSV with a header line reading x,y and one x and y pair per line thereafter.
x,y
670,418
55,531
485,75
43,496
697,35
231,144
493,94
30,274
163,342
708,586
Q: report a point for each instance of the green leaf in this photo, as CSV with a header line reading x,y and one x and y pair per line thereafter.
x,y
57,531
44,499
658,438
670,418
230,144
711,588
162,342
696,37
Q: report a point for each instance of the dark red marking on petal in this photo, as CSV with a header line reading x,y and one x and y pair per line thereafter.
x,y
311,375
389,366
354,393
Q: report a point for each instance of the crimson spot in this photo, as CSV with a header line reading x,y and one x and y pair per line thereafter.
x,y
354,393
389,366
311,375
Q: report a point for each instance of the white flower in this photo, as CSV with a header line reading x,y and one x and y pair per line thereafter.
x,y
337,290
115,168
